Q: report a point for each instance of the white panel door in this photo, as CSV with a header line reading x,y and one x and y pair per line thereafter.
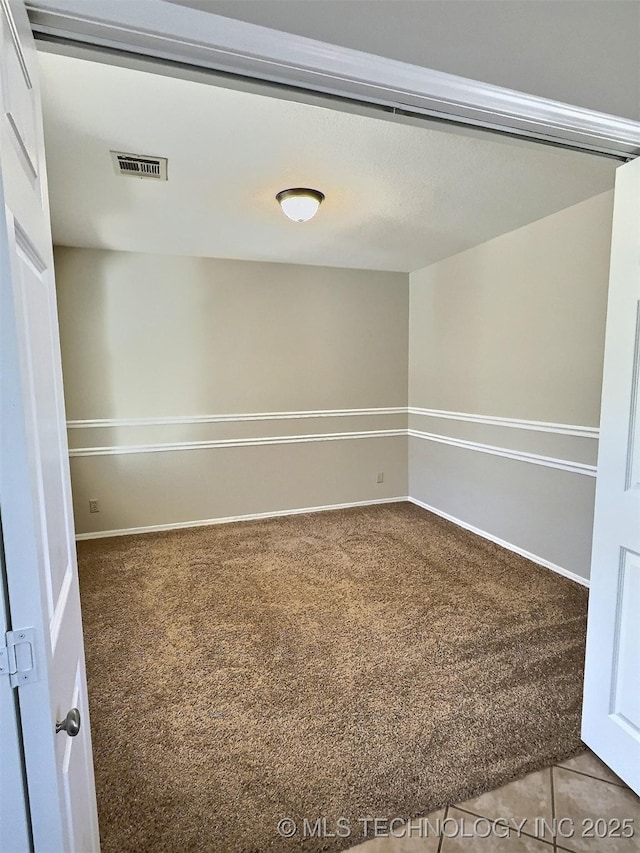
x,y
35,495
611,713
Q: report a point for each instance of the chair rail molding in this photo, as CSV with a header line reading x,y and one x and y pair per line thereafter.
x,y
348,434
517,455
167,32
491,420
102,423
120,450
515,423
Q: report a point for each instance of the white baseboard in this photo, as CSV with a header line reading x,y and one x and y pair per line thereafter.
x,y
205,522
256,516
509,547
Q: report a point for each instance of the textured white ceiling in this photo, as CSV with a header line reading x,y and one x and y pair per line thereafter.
x,y
398,197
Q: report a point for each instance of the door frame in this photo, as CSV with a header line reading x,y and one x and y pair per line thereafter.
x,y
179,41
193,39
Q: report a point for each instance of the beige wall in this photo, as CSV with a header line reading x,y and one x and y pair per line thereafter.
x,y
176,338
513,329
496,351
155,335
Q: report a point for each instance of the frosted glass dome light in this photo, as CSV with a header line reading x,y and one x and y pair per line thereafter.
x,y
300,204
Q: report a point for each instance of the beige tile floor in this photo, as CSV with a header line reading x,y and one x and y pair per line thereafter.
x,y
582,795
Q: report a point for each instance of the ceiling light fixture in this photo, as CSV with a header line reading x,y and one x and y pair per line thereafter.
x,y
300,203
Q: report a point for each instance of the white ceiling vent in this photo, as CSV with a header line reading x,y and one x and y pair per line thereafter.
x,y
139,165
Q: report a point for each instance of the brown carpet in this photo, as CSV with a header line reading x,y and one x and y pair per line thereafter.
x,y
372,662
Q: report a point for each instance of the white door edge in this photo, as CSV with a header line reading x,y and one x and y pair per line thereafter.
x,y
14,813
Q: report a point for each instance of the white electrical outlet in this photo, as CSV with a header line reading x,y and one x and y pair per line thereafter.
x,y
94,506
380,477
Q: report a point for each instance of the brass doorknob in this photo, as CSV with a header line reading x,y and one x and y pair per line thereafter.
x,y
70,724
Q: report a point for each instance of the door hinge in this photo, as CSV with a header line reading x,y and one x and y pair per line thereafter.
x,y
18,657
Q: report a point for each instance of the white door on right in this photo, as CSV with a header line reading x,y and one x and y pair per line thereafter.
x,y
611,712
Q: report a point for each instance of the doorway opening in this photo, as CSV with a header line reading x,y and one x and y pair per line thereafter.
x,y
433,337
